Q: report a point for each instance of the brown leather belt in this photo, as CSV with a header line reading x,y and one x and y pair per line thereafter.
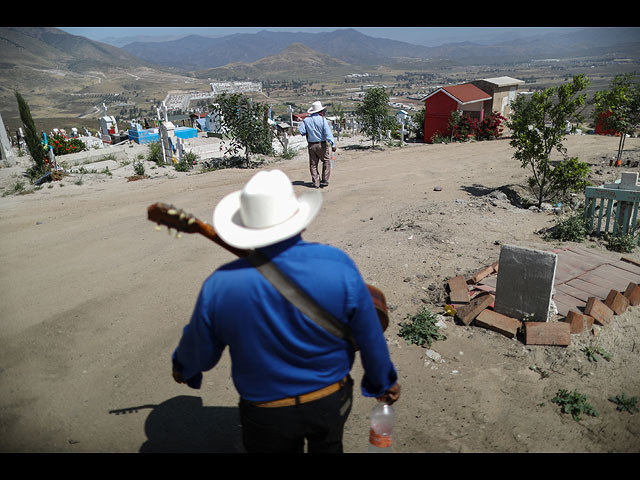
x,y
316,143
305,398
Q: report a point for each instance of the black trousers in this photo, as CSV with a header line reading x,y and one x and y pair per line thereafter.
x,y
284,429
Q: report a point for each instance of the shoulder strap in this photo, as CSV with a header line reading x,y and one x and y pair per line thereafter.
x,y
298,297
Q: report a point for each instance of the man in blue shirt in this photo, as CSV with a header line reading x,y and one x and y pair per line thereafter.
x,y
292,375
318,133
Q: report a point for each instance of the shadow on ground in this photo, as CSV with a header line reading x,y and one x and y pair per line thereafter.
x,y
183,425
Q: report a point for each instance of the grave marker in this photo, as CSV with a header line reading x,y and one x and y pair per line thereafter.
x,y
525,283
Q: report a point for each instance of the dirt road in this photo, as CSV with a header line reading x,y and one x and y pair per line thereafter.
x,y
93,300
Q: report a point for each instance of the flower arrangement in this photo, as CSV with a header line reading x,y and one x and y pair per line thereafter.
x,y
62,145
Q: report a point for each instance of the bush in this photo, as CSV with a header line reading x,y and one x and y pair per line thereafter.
x,y
187,162
490,127
569,229
463,128
154,154
621,243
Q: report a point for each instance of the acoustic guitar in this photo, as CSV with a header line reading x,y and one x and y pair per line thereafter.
x,y
171,217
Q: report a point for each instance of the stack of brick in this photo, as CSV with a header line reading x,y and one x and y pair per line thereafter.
x,y
475,306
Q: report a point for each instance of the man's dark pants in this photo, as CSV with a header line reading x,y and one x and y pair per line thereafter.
x,y
284,429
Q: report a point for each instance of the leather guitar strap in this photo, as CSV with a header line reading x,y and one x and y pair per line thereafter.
x,y
298,297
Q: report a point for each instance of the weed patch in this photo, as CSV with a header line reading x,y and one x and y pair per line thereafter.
x,y
421,329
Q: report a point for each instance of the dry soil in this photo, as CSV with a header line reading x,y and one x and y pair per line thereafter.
x,y
93,300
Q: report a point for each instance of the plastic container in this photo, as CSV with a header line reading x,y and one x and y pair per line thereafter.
x,y
381,428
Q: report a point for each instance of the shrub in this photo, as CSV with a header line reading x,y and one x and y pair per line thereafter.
x,y
154,153
569,229
490,127
622,242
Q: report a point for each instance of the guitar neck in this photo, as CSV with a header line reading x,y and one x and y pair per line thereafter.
x,y
207,230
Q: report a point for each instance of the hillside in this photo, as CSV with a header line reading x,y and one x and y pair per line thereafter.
x,y
296,58
48,47
60,74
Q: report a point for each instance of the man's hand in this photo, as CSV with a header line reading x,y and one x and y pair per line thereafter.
x,y
177,376
390,396
333,149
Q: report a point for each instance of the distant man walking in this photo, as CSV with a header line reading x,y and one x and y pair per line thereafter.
x,y
318,133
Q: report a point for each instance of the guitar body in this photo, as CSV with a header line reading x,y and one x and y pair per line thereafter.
x,y
171,217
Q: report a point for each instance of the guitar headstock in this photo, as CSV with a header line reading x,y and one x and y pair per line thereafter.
x,y
172,217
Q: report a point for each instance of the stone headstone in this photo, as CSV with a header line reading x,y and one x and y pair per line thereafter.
x,y
525,283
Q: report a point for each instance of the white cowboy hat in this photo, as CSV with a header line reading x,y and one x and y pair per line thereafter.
x,y
264,212
316,107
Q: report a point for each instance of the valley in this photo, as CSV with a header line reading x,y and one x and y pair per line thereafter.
x,y
298,75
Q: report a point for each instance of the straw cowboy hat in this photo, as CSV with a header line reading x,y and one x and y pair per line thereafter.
x,y
316,107
265,211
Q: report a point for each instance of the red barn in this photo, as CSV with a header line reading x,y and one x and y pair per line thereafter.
x,y
439,104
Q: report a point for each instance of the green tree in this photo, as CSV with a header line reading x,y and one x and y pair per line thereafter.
x,y
619,108
32,139
539,125
244,122
373,114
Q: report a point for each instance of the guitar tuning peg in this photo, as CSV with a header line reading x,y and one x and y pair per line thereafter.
x,y
191,221
172,211
158,228
182,215
178,235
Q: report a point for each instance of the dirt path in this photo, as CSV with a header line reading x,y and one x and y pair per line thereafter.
x,y
93,300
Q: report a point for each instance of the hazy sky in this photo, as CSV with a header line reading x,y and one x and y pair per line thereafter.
x,y
429,36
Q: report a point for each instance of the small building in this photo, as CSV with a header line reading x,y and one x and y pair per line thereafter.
x,y
439,104
503,90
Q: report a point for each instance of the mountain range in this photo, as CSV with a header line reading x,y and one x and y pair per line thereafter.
x,y
61,73
48,47
196,52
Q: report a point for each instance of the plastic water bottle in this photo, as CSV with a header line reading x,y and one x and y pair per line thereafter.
x,y
381,429
333,160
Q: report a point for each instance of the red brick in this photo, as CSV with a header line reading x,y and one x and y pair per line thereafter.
x,y
480,274
498,322
458,290
599,311
467,313
633,294
547,333
578,322
617,302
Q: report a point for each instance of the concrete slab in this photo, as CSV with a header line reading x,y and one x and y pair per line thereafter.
x,y
525,283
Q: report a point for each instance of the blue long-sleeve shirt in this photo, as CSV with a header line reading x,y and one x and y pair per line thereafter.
x,y
277,352
317,129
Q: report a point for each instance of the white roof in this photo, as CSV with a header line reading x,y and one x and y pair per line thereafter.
x,y
503,81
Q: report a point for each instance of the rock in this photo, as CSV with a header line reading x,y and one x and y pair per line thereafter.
x,y
435,356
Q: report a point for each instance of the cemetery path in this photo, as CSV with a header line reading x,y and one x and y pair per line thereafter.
x,y
94,299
